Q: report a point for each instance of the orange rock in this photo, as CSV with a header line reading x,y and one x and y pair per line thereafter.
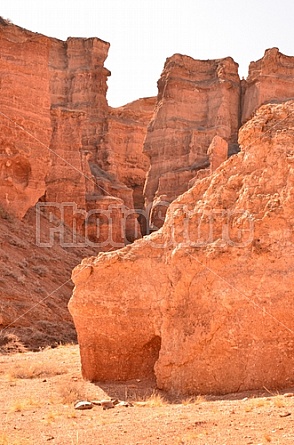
x,y
196,101
271,79
25,127
205,302
60,141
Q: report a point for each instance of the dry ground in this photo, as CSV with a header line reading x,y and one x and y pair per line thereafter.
x,y
38,391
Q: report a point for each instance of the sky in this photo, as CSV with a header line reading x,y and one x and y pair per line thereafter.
x,y
143,33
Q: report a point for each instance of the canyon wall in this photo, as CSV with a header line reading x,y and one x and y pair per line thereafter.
x,y
196,101
206,302
110,174
60,141
25,118
270,80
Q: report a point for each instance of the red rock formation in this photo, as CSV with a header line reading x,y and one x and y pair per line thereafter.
x,y
122,157
270,80
60,140
25,127
207,300
196,101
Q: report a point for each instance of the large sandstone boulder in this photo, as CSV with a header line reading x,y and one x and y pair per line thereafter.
x,y
206,303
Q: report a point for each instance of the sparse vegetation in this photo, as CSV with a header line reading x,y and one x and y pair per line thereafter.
x,y
42,409
154,400
194,400
42,271
279,402
35,370
3,212
5,22
71,392
23,405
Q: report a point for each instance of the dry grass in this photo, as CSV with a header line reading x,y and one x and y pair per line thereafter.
x,y
152,401
194,400
35,412
24,405
51,417
3,439
34,371
71,392
279,402
255,403
6,440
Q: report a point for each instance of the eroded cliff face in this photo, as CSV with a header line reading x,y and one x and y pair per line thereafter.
x,y
62,144
63,147
206,302
60,141
196,101
270,79
25,118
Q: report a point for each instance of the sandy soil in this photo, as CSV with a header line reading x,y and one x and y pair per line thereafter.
x,y
38,391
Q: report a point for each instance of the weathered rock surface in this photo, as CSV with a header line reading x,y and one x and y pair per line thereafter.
x,y
25,118
207,300
59,139
270,80
127,127
122,157
196,101
61,144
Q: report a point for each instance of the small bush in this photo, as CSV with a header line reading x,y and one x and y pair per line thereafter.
x,y
5,22
3,212
42,271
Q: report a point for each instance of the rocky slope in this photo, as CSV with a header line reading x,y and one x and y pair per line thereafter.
x,y
206,302
35,283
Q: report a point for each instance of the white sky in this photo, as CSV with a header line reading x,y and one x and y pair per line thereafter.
x,y
143,33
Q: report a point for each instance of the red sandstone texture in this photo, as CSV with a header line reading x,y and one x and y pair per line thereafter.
x,y
270,80
196,101
206,302
61,142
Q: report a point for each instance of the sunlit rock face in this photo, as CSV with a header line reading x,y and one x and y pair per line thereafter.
x,y
60,141
197,100
206,302
270,80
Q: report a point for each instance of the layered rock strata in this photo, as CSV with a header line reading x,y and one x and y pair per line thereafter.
x,y
270,80
206,302
61,143
24,118
196,101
